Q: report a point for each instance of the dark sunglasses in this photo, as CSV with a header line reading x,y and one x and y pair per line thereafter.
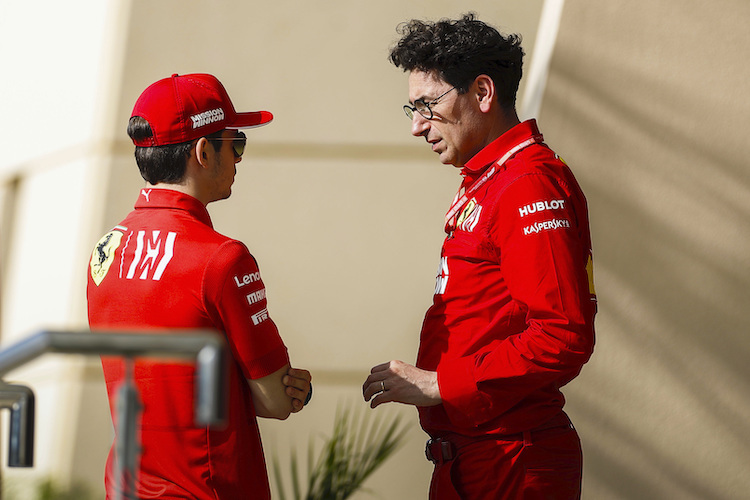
x,y
238,143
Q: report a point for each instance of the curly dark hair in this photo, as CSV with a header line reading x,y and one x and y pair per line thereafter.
x,y
459,51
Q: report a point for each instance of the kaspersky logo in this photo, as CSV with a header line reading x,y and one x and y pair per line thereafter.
x,y
207,117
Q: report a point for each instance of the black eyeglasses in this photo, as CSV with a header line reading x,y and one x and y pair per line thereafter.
x,y
422,107
238,143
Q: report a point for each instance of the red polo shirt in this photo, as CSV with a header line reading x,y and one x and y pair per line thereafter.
x,y
512,318
164,267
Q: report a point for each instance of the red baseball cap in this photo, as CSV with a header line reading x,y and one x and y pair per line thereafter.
x,y
182,108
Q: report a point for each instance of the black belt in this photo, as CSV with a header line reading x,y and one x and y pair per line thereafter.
x,y
441,450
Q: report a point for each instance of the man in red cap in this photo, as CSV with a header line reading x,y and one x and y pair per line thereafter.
x,y
512,319
164,267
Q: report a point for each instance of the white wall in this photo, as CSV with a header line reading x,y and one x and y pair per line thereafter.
x,y
59,79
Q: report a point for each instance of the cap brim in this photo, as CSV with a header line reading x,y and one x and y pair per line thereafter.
x,y
251,119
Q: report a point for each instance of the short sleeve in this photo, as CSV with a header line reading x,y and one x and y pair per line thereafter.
x,y
235,298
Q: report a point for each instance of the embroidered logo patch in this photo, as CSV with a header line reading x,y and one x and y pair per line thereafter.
x,y
260,317
468,209
103,255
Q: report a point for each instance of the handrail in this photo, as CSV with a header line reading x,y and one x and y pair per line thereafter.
x,y
207,347
19,399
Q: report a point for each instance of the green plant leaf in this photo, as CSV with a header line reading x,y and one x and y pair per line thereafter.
x,y
359,445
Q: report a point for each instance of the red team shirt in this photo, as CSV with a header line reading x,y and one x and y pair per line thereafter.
x,y
512,318
164,267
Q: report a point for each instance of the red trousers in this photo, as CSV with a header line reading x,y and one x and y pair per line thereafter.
x,y
537,465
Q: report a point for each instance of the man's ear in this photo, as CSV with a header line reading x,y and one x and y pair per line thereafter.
x,y
203,151
484,88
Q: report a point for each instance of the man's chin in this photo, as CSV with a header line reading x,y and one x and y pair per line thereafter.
x,y
447,159
223,197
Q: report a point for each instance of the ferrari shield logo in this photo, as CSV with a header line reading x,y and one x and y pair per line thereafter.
x,y
103,255
466,212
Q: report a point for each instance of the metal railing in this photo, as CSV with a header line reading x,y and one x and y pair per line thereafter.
x,y
19,399
206,347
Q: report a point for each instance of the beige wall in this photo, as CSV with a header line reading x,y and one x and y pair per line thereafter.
x,y
343,209
648,101
338,203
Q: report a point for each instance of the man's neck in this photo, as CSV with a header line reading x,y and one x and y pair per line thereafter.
x,y
185,187
506,121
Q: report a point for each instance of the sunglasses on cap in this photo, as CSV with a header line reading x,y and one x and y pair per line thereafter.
x,y
238,143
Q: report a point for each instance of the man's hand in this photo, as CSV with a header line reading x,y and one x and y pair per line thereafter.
x,y
401,383
298,387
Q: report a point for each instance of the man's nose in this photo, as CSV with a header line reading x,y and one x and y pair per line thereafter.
x,y
419,125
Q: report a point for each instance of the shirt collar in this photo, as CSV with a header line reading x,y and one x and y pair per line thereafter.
x,y
497,148
150,198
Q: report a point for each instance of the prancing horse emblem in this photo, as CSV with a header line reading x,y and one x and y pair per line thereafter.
x,y
103,255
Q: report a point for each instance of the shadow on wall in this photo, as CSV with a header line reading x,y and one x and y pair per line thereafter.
x,y
664,405
682,351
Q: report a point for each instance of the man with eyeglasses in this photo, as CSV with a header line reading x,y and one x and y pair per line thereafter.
x,y
512,319
165,268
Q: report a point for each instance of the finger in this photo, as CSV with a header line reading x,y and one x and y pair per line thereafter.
x,y
374,388
298,383
367,391
296,393
380,398
367,383
381,367
300,374
378,373
297,405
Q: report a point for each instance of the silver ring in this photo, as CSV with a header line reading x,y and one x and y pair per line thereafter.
x,y
382,385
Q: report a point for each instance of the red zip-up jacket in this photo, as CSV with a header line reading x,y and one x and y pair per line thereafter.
x,y
512,319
